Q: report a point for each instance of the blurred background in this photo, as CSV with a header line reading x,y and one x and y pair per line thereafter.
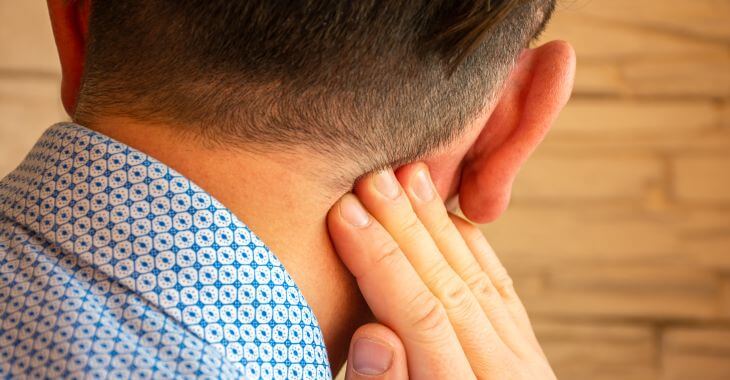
x,y
618,237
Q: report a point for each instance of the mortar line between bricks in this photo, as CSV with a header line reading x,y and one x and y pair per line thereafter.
x,y
662,30
10,73
659,345
648,97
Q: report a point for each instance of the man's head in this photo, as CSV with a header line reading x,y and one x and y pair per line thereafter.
x,y
386,80
365,84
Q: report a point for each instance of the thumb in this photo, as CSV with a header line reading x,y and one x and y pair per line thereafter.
x,y
376,352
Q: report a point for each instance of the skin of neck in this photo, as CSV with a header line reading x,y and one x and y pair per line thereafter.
x,y
283,196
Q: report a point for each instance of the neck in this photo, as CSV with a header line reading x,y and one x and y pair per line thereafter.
x,y
284,198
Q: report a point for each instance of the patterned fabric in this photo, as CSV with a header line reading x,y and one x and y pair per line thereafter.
x,y
112,265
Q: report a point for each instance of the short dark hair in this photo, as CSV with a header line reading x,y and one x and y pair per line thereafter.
x,y
388,79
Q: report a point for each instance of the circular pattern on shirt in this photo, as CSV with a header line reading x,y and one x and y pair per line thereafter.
x,y
114,266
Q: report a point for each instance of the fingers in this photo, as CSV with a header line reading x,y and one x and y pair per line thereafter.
x,y
395,293
433,278
383,196
376,353
432,213
489,262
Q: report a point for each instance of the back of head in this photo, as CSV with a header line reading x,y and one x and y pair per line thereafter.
x,y
382,81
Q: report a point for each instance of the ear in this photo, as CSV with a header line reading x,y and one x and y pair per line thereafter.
x,y
535,93
70,22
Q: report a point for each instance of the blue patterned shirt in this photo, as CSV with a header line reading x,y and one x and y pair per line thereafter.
x,y
113,265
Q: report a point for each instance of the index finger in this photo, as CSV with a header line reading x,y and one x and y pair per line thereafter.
x,y
396,294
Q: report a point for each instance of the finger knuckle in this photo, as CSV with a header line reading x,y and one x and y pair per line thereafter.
x,y
411,228
428,314
481,285
503,282
453,292
457,295
475,237
387,252
443,225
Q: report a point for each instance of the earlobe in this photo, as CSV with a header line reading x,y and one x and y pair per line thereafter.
x,y
69,20
537,89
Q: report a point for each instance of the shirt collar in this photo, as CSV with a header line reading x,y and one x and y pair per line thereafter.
x,y
127,214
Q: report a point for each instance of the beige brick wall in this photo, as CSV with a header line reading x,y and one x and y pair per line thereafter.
x,y
619,233
29,79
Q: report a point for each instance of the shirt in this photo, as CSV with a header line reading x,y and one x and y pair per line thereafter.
x,y
113,265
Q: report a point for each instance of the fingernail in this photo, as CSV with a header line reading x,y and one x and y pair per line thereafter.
x,y
422,186
386,184
371,358
353,212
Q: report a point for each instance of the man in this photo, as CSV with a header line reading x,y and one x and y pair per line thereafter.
x,y
122,235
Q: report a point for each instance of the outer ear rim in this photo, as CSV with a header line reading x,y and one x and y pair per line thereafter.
x,y
545,79
69,21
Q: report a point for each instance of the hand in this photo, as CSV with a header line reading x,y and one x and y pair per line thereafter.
x,y
430,277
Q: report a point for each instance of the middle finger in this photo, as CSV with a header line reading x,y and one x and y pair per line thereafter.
x,y
433,214
384,198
